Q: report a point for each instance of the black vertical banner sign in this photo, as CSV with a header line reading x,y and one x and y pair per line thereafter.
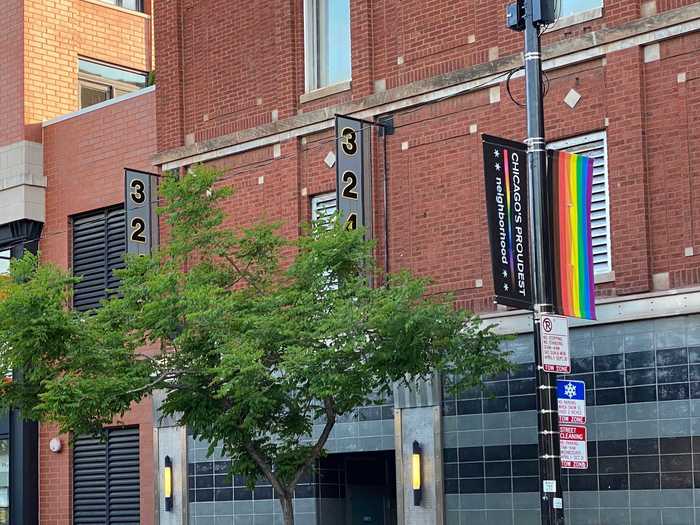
x,y
505,168
353,172
141,221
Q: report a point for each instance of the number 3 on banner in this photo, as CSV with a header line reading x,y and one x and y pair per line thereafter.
x,y
138,194
348,139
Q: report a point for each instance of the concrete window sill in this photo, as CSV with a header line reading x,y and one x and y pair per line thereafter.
x,y
120,9
578,18
607,277
326,91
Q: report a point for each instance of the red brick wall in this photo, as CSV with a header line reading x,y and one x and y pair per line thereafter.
x,y
673,156
437,222
84,161
238,65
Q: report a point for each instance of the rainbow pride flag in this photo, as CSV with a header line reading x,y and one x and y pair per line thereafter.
x,y
572,185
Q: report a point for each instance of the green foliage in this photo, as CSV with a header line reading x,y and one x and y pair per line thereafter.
x,y
252,347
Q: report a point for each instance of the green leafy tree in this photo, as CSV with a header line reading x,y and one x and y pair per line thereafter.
x,y
253,338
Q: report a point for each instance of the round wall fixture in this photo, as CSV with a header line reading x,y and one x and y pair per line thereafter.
x,y
55,445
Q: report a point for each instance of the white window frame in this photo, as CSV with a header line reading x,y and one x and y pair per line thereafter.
x,y
577,17
607,275
317,199
312,52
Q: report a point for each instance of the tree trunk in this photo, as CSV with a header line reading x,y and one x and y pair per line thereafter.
x,y
287,507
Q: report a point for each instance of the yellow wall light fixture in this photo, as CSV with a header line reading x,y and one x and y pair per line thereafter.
x,y
168,483
416,473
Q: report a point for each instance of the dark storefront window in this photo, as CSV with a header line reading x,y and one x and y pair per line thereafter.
x,y
4,482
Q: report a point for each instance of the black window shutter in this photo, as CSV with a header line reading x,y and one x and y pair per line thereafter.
x,y
89,482
123,482
99,243
106,487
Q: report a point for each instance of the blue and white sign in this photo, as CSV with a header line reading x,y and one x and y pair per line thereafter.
x,y
571,397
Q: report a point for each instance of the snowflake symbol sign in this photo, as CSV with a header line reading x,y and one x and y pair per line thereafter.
x,y
570,390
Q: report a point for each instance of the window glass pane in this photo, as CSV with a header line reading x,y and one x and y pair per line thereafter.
x,y
4,482
134,5
334,41
571,7
91,94
109,73
4,263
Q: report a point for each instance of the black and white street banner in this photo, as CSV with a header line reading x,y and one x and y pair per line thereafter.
x,y
141,222
505,169
353,172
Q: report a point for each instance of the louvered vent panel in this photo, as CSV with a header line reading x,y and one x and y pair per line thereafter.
x,y
106,479
323,207
99,243
89,482
123,465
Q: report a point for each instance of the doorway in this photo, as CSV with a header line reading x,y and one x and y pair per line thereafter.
x,y
367,494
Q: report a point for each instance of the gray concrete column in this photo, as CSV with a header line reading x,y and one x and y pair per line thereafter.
x,y
169,439
421,422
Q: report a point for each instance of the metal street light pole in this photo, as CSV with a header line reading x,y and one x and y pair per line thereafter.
x,y
547,416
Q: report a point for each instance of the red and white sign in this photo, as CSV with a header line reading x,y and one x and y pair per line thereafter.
x,y
574,451
554,343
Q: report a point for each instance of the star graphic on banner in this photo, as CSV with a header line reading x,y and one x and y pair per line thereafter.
x,y
505,273
496,153
505,286
498,167
570,390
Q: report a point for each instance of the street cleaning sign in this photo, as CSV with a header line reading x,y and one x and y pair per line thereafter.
x,y
574,450
505,170
571,400
554,342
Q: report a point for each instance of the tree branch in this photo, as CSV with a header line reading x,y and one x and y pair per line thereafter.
x,y
242,273
318,447
163,376
266,468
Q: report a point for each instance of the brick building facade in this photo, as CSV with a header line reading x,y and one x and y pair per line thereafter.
x,y
58,58
254,93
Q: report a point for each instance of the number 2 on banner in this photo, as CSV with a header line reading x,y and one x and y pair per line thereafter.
x,y
138,227
350,188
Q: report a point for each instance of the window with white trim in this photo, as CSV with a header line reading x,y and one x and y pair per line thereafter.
x,y
132,5
327,43
574,7
99,82
323,207
595,145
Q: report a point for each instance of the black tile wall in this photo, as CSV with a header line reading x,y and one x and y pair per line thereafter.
x,y
210,481
639,464
635,377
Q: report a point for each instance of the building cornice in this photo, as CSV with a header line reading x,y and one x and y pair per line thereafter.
x,y
642,31
668,303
